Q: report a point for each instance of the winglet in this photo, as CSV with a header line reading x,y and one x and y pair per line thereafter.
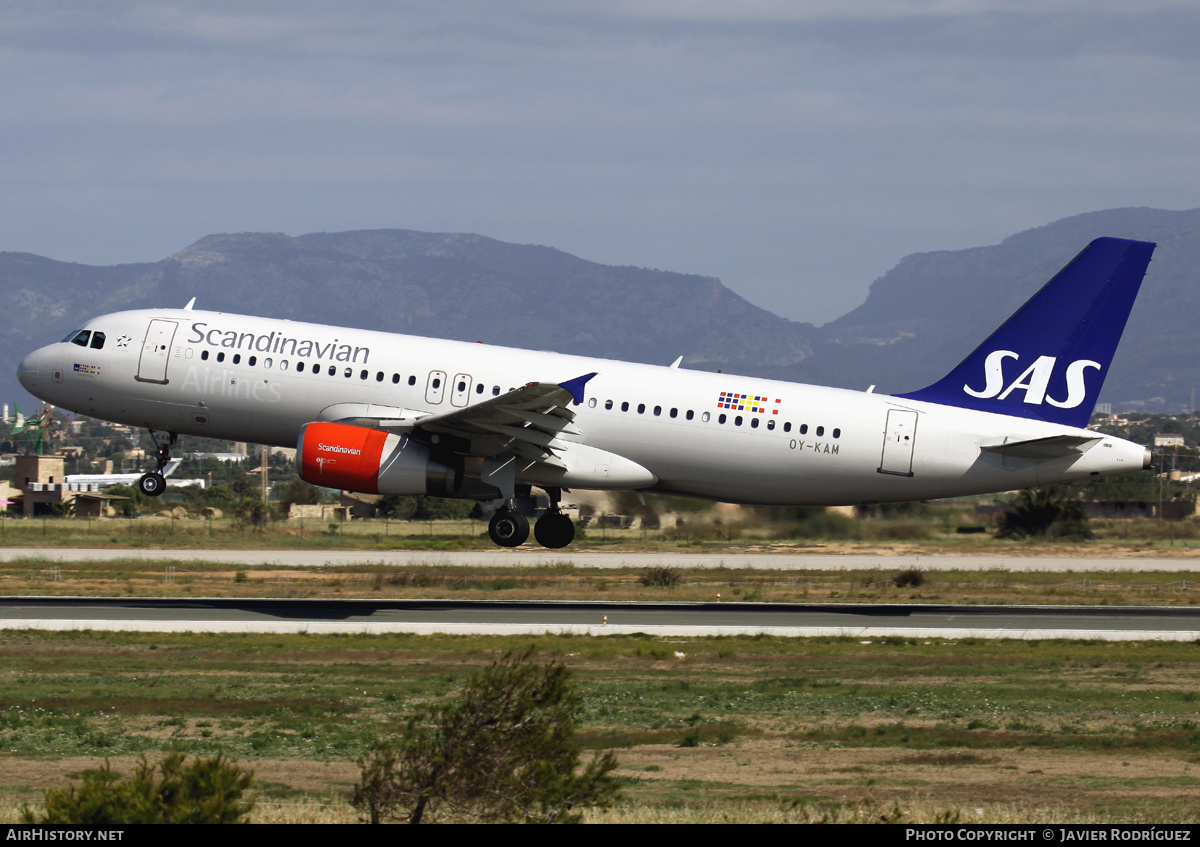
x,y
1048,361
575,386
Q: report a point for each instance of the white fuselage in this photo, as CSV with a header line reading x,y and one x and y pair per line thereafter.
x,y
260,380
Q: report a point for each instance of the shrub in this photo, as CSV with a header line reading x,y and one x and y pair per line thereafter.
x,y
205,791
909,578
503,749
661,577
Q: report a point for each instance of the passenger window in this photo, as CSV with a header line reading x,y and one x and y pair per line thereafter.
x,y
674,413
221,357
299,367
624,406
204,355
737,421
754,423
592,403
237,358
412,380
81,337
641,408
395,379
283,364
379,377
97,340
803,429
690,415
479,388
705,417
721,418
608,404
363,374
348,372
495,391
837,433
252,360
771,423
787,427
333,370
657,411
437,383
820,430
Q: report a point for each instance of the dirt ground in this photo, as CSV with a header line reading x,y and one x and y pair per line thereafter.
x,y
970,781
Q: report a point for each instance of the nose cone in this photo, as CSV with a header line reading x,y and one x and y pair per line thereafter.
x,y
30,370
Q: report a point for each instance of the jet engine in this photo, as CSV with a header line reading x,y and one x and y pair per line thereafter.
x,y
356,458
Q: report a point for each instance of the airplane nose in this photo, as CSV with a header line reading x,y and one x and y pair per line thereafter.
x,y
29,369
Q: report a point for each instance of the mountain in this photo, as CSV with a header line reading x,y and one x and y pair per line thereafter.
x,y
456,286
918,320
932,309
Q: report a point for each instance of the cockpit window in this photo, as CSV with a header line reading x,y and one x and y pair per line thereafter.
x,y
70,335
81,337
97,340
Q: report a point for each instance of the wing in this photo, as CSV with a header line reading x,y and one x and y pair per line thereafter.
x,y
525,422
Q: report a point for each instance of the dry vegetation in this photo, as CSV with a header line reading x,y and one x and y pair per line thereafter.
x,y
718,729
707,730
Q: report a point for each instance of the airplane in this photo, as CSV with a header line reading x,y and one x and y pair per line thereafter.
x,y
132,478
392,414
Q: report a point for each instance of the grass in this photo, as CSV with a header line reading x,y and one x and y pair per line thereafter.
x,y
748,529
145,577
707,730
826,728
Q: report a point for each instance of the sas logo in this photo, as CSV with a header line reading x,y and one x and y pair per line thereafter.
x,y
1034,380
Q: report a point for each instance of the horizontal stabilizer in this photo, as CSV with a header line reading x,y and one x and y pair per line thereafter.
x,y
1051,447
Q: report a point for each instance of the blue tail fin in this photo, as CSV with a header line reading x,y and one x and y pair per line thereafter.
x,y
1049,359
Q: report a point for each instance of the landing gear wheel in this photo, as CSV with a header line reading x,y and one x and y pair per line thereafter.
x,y
554,530
508,528
152,484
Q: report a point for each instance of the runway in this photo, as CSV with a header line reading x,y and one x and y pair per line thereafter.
x,y
596,618
538,557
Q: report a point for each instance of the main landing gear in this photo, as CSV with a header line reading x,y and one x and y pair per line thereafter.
x,y
509,528
153,484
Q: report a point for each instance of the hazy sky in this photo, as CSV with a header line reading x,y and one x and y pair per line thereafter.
x,y
797,150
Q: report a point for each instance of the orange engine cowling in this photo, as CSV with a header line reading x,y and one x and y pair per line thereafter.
x,y
355,458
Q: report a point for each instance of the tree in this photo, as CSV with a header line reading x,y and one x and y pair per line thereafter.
x,y
1044,513
503,749
205,791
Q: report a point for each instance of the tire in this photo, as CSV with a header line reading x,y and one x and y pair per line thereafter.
x,y
152,484
554,530
508,528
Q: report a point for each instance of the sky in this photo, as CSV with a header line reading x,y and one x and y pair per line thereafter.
x,y
797,150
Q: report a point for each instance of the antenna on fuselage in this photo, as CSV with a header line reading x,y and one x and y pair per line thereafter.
x,y
189,305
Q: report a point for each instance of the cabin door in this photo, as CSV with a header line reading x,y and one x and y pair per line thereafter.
x,y
156,350
898,442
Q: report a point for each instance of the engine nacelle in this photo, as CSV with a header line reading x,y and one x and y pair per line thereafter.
x,y
371,461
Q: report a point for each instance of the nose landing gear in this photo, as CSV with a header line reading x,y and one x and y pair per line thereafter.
x,y
154,484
